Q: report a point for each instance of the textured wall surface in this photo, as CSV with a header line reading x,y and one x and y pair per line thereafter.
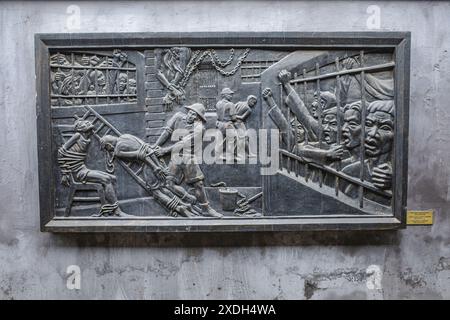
x,y
412,263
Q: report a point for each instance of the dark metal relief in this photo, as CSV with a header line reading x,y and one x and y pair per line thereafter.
x,y
225,138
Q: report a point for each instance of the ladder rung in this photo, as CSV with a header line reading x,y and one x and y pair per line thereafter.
x,y
139,170
86,199
86,115
99,128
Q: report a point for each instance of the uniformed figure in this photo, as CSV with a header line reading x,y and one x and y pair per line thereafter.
x,y
188,171
72,161
226,116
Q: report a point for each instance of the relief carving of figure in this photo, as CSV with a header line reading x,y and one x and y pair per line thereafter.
x,y
72,162
293,135
130,148
188,171
127,86
378,144
243,109
170,71
68,81
226,116
117,61
351,132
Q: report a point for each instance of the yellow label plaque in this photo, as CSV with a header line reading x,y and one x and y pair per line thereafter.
x,y
422,217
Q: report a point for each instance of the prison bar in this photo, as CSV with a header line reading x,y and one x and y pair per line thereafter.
x,y
96,85
108,89
52,65
59,71
295,164
92,95
363,128
340,174
256,75
379,67
338,118
320,117
72,72
305,86
285,133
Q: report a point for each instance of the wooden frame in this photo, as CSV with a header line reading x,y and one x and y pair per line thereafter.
x,y
399,42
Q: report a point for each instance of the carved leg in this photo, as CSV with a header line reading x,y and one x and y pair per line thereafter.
x,y
202,198
180,192
107,182
69,201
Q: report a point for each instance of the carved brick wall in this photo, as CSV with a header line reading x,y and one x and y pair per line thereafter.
x,y
154,116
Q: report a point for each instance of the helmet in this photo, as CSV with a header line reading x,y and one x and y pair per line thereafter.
x,y
199,109
226,91
329,97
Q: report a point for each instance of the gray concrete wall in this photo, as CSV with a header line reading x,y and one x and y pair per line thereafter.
x,y
413,263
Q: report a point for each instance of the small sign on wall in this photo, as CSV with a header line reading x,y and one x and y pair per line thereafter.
x,y
419,217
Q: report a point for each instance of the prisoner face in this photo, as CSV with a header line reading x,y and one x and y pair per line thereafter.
x,y
351,129
101,80
299,132
61,59
314,109
109,147
132,86
84,126
228,96
329,125
123,83
191,116
252,103
379,133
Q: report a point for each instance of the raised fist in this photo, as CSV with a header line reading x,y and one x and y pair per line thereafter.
x,y
267,93
284,76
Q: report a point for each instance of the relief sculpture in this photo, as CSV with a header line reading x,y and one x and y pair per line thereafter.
x,y
84,78
220,133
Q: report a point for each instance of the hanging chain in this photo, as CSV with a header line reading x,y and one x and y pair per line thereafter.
x,y
192,65
220,63
197,58
236,67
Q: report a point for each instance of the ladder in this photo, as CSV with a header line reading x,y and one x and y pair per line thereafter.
x,y
101,124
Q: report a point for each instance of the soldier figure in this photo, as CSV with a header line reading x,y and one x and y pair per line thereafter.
x,y
188,170
226,113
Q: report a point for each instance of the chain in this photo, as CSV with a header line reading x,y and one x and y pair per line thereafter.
x,y
192,65
197,58
220,63
236,67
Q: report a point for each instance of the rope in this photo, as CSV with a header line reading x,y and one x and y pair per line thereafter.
x,y
108,208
